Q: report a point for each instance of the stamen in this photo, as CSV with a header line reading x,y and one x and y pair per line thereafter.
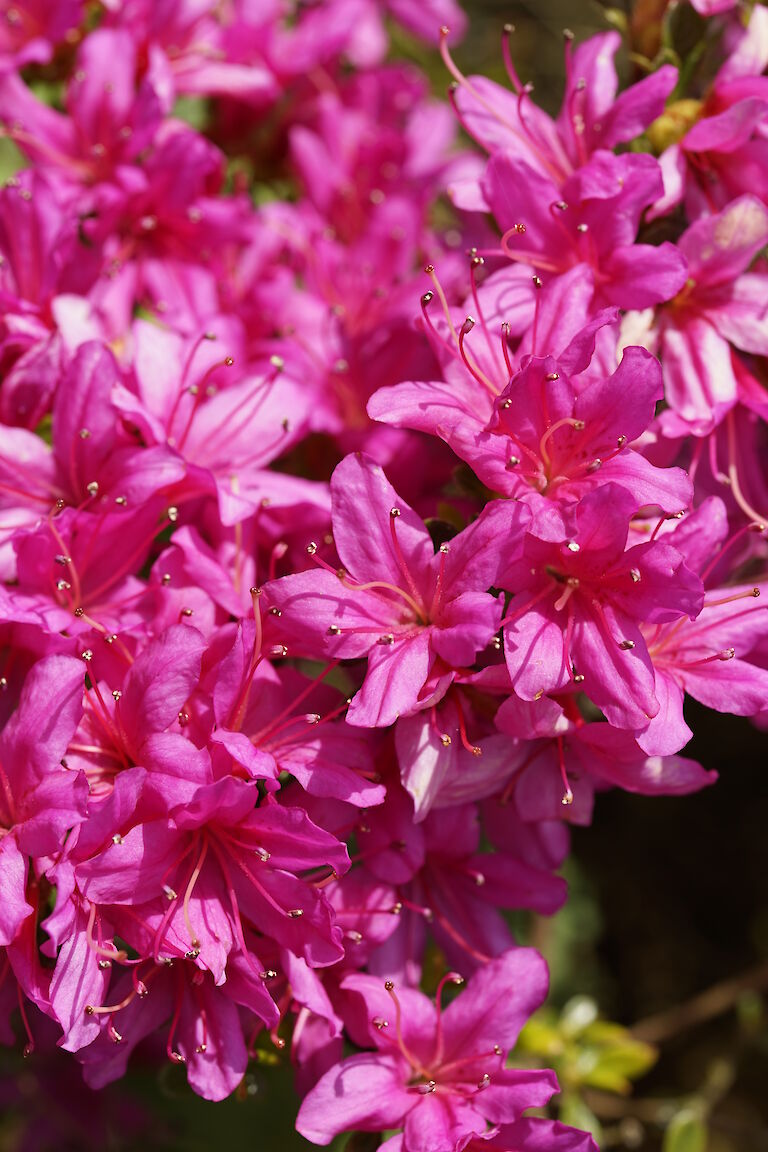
x,y
414,1063
567,799
394,515
450,978
755,526
746,595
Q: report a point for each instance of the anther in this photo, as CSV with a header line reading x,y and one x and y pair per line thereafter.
x,y
486,1080
519,228
572,546
626,645
379,1022
578,677
425,1089
93,488
186,612
277,362
63,585
537,282
192,954
311,548
567,799
582,228
567,34
636,575
60,559
121,500
105,964
228,361
172,514
427,297
117,838
110,639
165,579
387,638
116,694
183,718
84,434
168,892
394,513
278,650
295,913
396,909
444,549
561,206
334,630
275,611
512,463
445,740
87,655
552,376
621,441
595,466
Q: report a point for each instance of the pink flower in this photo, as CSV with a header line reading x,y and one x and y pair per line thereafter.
x,y
40,801
592,115
591,220
721,310
414,614
440,1075
578,607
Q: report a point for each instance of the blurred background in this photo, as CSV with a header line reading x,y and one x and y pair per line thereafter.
x,y
657,1018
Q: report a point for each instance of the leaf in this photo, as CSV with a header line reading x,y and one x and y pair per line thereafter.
x,y
614,1069
575,1112
577,1015
686,1133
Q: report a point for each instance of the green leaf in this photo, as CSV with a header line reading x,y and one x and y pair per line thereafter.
x,y
575,1112
686,1133
615,1068
578,1014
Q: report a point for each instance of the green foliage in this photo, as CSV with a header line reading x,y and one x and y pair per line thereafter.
x,y
686,1133
585,1052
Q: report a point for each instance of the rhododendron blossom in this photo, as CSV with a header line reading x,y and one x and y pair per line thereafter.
x,y
371,499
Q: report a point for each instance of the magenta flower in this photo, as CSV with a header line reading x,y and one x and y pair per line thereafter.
x,y
591,220
579,605
214,861
561,761
721,309
592,115
438,1074
414,614
40,801
708,658
522,1136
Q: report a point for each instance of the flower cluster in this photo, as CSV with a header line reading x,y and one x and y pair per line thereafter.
x,y
321,622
